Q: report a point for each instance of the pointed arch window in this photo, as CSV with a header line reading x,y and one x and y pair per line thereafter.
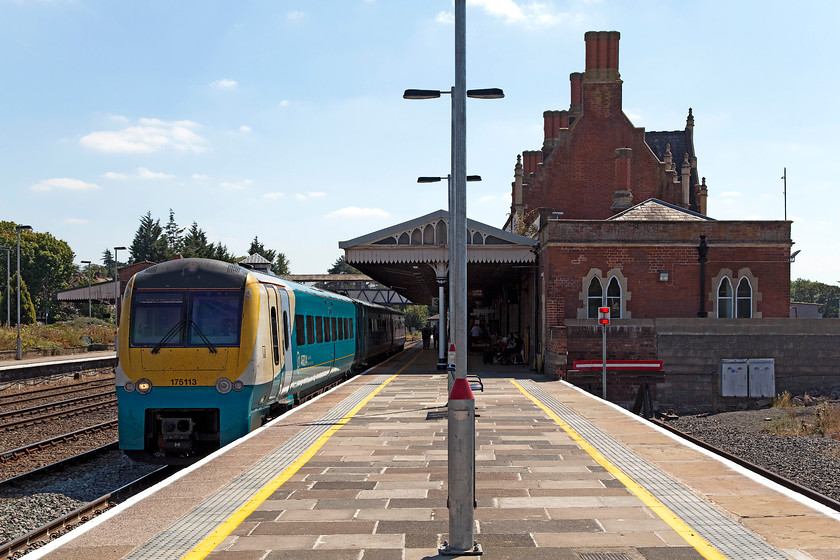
x,y
724,308
743,299
614,298
594,298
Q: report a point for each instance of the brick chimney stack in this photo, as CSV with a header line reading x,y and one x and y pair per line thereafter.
x,y
576,107
602,56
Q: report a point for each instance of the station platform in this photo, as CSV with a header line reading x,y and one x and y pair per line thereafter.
x,y
361,473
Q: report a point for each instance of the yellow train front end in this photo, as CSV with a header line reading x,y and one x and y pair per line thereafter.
x,y
189,378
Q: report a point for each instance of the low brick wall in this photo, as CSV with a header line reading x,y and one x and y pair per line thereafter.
x,y
806,352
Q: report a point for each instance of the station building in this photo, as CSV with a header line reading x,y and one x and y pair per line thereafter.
x,y
607,214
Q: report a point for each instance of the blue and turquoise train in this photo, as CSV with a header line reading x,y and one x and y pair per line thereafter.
x,y
208,350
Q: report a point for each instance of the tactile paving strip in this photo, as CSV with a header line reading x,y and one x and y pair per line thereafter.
x,y
732,540
192,528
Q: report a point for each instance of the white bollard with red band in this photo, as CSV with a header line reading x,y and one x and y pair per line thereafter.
x,y
461,500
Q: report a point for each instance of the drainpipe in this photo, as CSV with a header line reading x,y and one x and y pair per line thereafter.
x,y
702,251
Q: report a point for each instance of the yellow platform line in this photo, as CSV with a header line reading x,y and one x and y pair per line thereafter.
x,y
209,543
700,544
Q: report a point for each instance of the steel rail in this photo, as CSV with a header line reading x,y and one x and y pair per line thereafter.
x,y
84,513
784,482
14,454
53,405
29,396
69,412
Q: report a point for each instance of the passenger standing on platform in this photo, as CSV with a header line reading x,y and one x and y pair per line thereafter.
x,y
427,333
434,337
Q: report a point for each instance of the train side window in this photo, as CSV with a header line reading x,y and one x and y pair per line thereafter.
x,y
340,328
275,344
300,330
334,328
310,329
350,330
327,329
319,329
286,330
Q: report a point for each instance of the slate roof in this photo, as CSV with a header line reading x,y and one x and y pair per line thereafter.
x,y
657,210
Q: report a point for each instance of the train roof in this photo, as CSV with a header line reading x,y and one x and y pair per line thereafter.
x,y
210,273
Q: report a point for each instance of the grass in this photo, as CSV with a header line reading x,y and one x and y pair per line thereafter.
x,y
824,421
71,334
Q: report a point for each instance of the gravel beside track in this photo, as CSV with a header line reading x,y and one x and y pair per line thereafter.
x,y
28,507
812,461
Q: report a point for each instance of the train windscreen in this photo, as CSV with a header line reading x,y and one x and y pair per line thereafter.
x,y
183,318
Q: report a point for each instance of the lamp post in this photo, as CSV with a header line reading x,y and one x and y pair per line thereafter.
x,y
461,403
441,315
117,299
8,285
90,305
18,229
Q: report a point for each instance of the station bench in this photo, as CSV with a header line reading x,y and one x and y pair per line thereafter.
x,y
587,374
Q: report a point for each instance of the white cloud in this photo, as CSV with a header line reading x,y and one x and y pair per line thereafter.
x,y
224,83
64,183
200,177
310,195
356,212
495,198
295,16
284,103
139,173
244,129
445,17
274,195
527,13
148,136
235,186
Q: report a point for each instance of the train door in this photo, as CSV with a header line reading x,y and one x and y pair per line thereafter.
x,y
286,326
276,357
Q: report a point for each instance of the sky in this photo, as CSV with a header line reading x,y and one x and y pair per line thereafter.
x,y
284,119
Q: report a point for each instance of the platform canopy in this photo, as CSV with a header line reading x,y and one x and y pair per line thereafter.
x,y
409,257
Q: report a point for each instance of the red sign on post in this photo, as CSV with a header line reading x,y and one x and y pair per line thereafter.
x,y
603,315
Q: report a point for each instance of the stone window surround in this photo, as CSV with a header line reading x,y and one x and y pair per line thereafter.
x,y
583,295
735,279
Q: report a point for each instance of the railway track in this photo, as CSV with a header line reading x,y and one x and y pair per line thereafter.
x,y
82,514
42,413
781,480
48,392
31,449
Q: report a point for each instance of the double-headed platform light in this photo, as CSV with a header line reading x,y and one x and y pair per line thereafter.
x,y
461,403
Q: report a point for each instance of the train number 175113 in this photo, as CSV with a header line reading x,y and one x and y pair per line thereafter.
x,y
181,382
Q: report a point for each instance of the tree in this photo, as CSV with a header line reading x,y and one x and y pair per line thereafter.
x,y
46,264
149,243
807,291
195,244
281,265
258,248
416,316
340,266
174,236
27,309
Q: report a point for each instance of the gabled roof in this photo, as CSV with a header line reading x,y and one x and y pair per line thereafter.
x,y
654,209
391,235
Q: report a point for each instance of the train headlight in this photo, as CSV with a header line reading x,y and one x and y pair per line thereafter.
x,y
144,386
129,387
223,386
238,385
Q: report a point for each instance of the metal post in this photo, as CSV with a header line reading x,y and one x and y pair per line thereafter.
x,y
441,280
604,361
90,314
117,299
461,404
8,285
18,353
